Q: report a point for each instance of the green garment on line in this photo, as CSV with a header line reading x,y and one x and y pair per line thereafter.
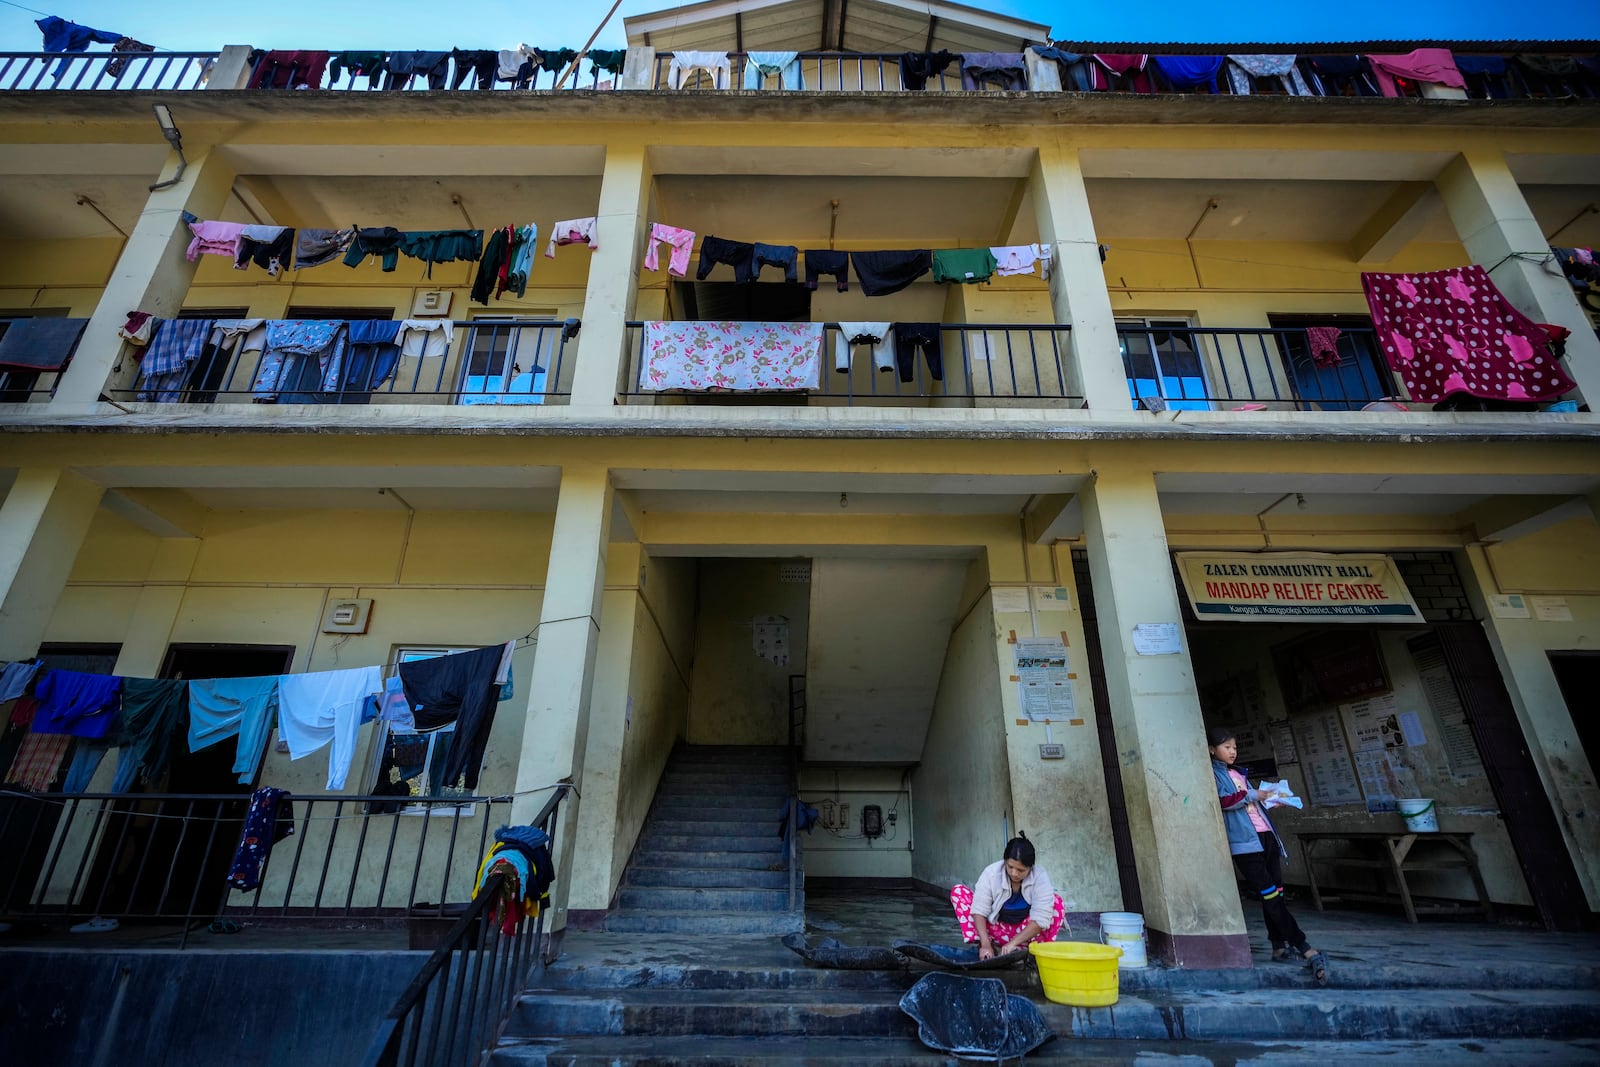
x,y
963,264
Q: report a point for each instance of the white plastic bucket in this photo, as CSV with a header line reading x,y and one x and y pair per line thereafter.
x,y
1124,930
1419,814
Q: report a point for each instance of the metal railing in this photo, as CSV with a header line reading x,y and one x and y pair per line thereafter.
x,y
104,70
979,365
1202,368
797,726
501,362
165,857
454,1008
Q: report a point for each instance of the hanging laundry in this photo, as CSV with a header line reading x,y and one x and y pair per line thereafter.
x,y
496,258
1124,72
1012,260
312,248
22,711
86,759
715,64
1343,75
391,706
523,244
1069,69
40,344
125,46
77,703
514,872
16,677
320,708
917,67
286,361
458,688
1243,68
441,246
883,273
38,761
153,712
555,60
480,63
738,356
739,255
423,338
268,247
170,358
1434,65
785,66
965,265
381,241
913,337
213,238
878,335
1324,344
289,70
516,65
784,257
220,708
137,330
1452,331
1190,72
820,261
403,66
610,60
269,820
1578,264
1002,70
357,64
681,242
1485,76
573,231
371,353
63,36
537,870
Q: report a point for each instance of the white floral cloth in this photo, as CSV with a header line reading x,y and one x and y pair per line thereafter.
x,y
742,356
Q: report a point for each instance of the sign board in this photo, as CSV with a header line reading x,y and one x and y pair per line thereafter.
x,y
1295,587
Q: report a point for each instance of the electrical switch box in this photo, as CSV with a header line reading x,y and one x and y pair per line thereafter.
x,y
431,302
347,617
871,821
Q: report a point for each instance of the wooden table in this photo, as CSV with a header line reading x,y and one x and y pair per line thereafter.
x,y
1398,854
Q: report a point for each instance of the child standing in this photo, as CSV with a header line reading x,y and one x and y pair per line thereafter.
x,y
1258,853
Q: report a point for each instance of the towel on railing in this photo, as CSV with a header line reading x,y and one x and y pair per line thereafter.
x,y
733,356
38,760
40,344
170,358
269,820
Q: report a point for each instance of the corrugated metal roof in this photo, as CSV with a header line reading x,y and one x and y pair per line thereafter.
x,y
1170,48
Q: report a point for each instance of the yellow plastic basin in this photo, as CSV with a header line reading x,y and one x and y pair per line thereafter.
x,y
1076,973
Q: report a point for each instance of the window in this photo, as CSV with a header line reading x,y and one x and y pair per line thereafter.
x,y
17,385
505,364
407,763
1161,359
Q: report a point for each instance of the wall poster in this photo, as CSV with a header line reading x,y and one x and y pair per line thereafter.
x,y
1325,758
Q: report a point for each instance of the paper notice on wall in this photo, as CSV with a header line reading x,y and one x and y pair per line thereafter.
x,y
1411,727
769,636
1373,724
1377,780
1455,736
1044,686
1283,749
1051,598
1325,759
1157,639
1010,598
1551,608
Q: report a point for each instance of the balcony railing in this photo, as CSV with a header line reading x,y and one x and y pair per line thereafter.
x,y
1200,368
990,365
163,858
495,362
104,70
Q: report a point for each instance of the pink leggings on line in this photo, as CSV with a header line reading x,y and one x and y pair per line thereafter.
x,y
681,241
1000,933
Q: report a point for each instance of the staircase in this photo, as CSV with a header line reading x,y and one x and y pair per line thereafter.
x,y
710,860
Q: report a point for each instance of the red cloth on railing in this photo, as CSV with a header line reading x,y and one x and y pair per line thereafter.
x,y
1324,342
1435,65
1451,331
1122,71
290,70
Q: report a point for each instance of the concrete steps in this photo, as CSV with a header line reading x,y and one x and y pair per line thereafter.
x,y
709,859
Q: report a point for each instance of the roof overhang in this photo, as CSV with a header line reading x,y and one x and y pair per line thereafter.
x,y
831,25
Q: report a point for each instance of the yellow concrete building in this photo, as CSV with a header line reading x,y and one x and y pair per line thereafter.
x,y
905,550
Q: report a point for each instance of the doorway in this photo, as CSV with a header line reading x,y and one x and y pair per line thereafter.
x,y
1578,675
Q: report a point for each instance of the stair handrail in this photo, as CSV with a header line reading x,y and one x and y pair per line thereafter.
x,y
797,696
487,978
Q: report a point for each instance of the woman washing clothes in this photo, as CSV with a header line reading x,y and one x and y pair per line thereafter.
x,y
1012,904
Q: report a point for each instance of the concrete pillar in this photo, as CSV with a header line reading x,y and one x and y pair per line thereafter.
x,y
1186,878
43,522
156,613
613,289
1078,286
557,731
152,274
1494,221
231,69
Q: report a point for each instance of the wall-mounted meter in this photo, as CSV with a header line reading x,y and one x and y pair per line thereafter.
x,y
347,617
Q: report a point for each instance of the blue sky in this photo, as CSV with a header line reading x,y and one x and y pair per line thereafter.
x,y
198,25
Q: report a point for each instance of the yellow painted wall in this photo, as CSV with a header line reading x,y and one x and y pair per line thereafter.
x,y
843,851
740,698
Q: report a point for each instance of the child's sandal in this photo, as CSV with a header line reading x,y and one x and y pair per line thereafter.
x,y
1318,962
